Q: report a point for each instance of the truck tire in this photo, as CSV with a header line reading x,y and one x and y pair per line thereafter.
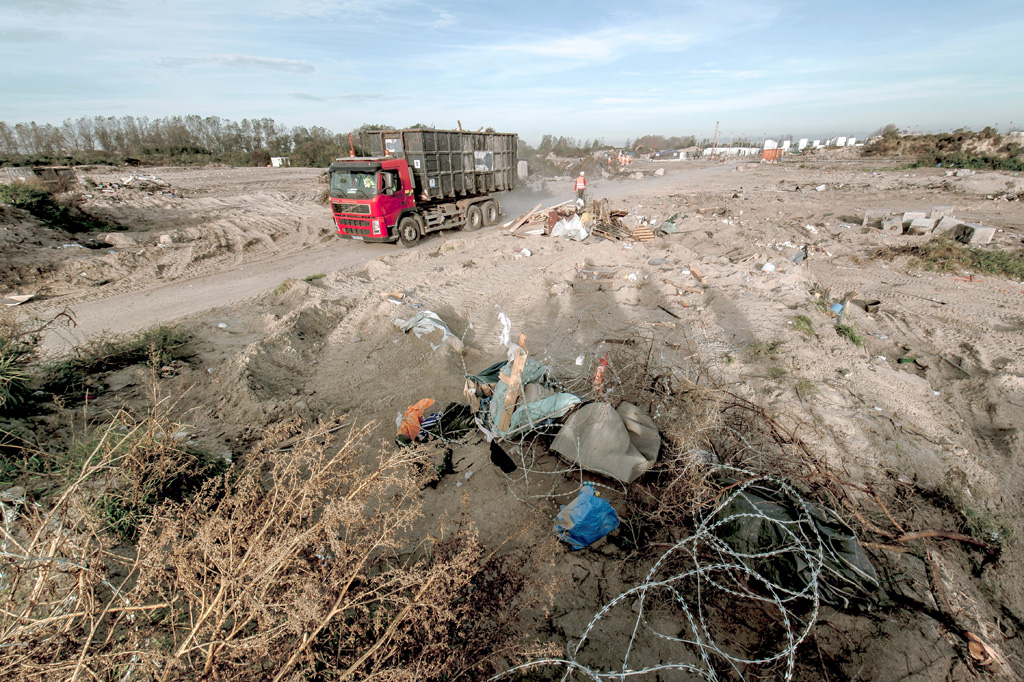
x,y
490,211
474,219
409,231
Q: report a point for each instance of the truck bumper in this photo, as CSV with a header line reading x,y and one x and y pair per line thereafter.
x,y
371,240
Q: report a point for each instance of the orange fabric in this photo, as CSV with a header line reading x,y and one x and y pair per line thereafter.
x,y
599,376
410,427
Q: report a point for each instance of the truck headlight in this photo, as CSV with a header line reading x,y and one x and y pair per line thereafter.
x,y
376,226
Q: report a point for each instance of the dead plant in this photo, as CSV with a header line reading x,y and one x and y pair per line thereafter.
x,y
296,565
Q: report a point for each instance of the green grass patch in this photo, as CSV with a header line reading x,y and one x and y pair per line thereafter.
x,y
804,325
776,372
284,286
767,350
850,333
313,278
978,522
41,203
15,357
806,389
71,377
944,255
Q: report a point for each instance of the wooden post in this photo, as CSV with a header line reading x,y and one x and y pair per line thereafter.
x,y
514,381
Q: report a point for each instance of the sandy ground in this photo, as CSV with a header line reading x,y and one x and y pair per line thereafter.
x,y
267,352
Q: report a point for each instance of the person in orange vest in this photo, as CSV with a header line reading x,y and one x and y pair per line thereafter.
x,y
581,186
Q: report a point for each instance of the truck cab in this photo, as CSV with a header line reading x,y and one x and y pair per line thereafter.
x,y
369,196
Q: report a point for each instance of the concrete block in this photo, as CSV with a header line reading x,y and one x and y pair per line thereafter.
x,y
941,212
874,218
911,216
969,233
921,226
892,225
947,226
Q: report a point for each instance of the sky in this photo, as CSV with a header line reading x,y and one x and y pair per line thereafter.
x,y
597,69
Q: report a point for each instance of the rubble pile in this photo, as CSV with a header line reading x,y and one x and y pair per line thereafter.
x,y
130,187
937,222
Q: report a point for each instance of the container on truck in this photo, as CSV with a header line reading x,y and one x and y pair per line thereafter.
x,y
420,181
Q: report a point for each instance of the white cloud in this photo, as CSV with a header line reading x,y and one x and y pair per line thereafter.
x,y
241,61
444,19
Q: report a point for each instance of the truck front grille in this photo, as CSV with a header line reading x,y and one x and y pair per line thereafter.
x,y
351,224
352,208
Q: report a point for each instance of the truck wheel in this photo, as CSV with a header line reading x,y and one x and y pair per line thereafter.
x,y
490,211
474,219
408,231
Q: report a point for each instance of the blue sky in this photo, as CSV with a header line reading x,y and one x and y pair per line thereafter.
x,y
582,69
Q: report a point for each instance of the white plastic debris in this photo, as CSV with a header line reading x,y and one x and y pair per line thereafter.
x,y
768,267
427,322
820,188
570,229
579,360
222,326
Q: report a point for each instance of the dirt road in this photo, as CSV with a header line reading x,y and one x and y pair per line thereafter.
x,y
237,234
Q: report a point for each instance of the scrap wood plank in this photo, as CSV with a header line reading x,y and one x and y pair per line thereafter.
x,y
689,290
514,382
523,218
696,274
606,235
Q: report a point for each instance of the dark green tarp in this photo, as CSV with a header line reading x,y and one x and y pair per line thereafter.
x,y
755,523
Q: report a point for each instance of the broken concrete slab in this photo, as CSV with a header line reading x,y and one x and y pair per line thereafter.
x,y
911,216
921,226
893,225
874,218
969,233
947,225
938,212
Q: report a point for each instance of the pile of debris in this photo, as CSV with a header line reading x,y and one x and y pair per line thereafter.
x,y
115,192
578,222
939,222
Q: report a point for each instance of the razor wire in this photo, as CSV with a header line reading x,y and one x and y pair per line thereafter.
x,y
711,567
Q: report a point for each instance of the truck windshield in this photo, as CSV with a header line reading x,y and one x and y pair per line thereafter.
x,y
354,183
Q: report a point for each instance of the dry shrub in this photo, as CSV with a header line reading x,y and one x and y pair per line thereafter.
x,y
296,565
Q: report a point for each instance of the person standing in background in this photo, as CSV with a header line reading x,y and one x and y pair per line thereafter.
x,y
581,187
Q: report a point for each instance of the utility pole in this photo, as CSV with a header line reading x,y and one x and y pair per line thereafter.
x,y
714,143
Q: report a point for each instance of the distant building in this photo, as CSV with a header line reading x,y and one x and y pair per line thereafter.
x,y
802,144
732,151
278,161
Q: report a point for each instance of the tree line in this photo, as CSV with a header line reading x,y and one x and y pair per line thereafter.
x,y
196,139
175,139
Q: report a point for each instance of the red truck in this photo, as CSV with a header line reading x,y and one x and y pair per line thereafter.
x,y
420,181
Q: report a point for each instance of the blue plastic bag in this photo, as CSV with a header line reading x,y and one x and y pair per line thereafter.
x,y
585,520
